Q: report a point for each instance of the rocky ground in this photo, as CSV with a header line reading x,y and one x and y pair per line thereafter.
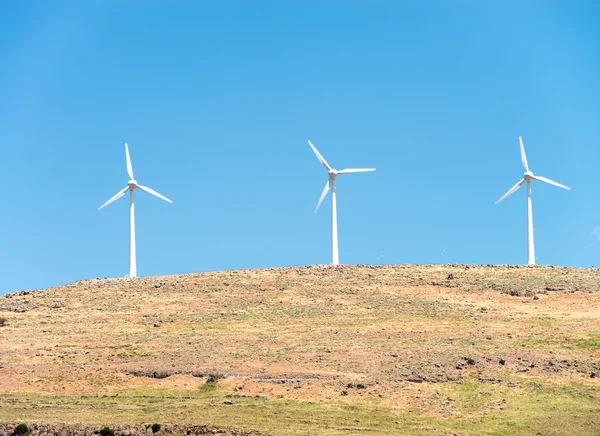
x,y
414,349
74,429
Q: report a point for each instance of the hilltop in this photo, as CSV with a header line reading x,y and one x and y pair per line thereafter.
x,y
449,349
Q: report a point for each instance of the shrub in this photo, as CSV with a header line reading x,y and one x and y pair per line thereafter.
x,y
212,379
3,322
21,430
107,431
156,428
211,383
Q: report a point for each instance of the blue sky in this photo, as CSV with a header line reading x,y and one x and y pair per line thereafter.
x,y
217,100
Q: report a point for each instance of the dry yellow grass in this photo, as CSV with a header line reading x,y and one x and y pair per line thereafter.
x,y
312,350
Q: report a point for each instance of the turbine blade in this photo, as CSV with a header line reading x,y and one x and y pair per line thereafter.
x,y
523,156
115,197
153,192
323,194
355,170
321,159
511,190
129,168
551,182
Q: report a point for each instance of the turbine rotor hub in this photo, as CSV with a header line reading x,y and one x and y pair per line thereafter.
x,y
333,173
528,176
132,184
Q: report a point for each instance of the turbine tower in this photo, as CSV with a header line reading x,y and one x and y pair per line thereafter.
x,y
528,177
333,173
132,185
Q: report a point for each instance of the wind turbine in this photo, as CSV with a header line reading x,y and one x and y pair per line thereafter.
x,y
132,185
528,177
333,173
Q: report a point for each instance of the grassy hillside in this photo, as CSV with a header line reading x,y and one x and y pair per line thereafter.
x,y
309,350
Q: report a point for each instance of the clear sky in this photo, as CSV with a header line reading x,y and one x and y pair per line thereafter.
x,y
217,100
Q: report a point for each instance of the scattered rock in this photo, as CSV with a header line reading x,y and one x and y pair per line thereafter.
x,y
73,429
